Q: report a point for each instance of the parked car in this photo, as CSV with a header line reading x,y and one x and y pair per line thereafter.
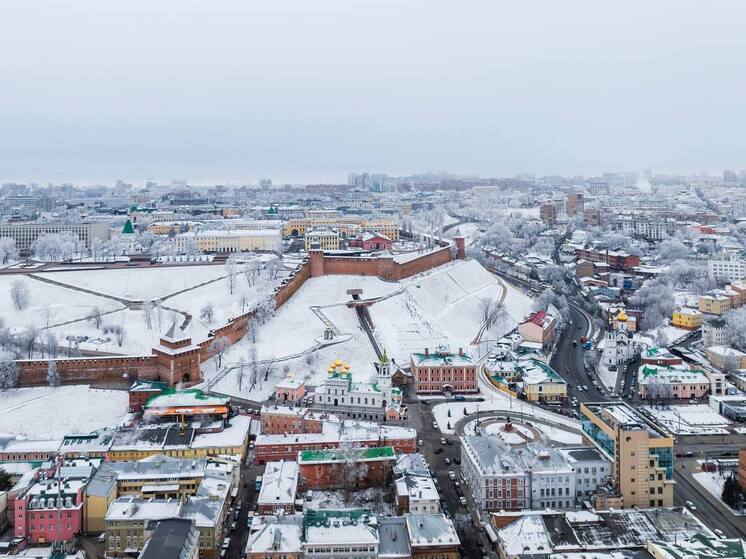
x,y
448,460
435,424
438,450
452,475
462,500
442,440
457,460
420,442
691,506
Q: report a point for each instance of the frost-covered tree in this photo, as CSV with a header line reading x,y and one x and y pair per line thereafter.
x,y
489,309
548,298
53,374
656,300
8,371
19,294
265,310
672,249
735,328
217,349
57,247
191,248
8,250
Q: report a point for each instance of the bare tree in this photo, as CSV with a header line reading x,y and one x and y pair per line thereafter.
x,y
95,317
19,294
230,278
30,336
253,367
207,313
147,309
217,348
489,309
240,372
50,344
53,375
117,331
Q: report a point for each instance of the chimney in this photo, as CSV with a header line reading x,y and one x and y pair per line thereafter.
x,y
461,351
427,351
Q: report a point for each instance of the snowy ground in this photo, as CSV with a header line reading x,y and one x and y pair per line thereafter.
x,y
439,307
373,499
139,284
608,378
442,307
63,310
713,483
696,419
47,304
50,413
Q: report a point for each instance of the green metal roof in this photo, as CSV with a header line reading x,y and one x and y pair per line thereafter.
x,y
336,454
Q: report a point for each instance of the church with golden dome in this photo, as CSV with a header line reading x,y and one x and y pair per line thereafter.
x,y
618,343
373,400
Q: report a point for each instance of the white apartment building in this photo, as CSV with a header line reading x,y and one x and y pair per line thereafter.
x,y
591,468
731,269
714,332
501,477
25,234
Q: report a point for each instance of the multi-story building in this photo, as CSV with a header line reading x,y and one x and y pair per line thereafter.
x,y
325,239
443,371
345,467
335,434
714,303
50,510
538,327
502,477
731,269
714,332
726,358
574,204
592,217
417,493
689,319
432,536
339,533
615,259
25,234
641,453
592,470
291,390
279,486
276,537
230,240
672,382
548,213
540,383
347,226
172,538
278,420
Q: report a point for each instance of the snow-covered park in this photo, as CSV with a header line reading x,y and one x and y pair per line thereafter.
x,y
438,307
51,413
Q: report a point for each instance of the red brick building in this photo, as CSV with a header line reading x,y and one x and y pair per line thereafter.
x,y
616,260
443,371
344,468
372,241
273,448
279,420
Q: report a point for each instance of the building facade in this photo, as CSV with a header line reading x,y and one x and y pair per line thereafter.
x,y
443,371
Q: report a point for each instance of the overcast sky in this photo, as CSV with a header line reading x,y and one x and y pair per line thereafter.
x,y
311,89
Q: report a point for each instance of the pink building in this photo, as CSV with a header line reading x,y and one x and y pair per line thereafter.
x,y
672,383
290,390
372,241
50,510
538,327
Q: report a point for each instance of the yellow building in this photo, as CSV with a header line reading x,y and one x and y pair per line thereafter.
x,y
541,383
346,226
642,454
168,227
689,319
230,240
714,304
326,239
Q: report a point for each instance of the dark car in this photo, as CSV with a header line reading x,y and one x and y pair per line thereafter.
x,y
438,450
457,460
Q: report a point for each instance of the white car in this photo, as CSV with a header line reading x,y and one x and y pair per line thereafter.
x,y
719,533
420,443
442,440
448,460
435,424
462,500
691,506
452,475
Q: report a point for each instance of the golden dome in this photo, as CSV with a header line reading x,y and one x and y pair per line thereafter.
x,y
621,317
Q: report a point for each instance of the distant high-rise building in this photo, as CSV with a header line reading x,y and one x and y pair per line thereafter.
x,y
574,204
548,213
